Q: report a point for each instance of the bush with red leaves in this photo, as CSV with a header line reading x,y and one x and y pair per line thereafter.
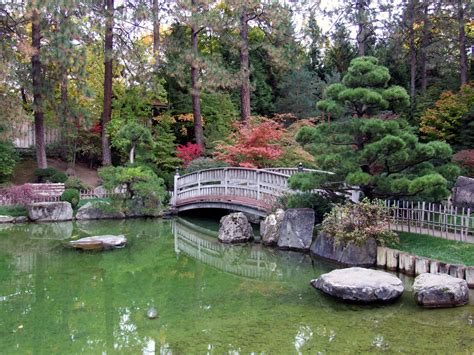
x,y
187,153
465,159
253,145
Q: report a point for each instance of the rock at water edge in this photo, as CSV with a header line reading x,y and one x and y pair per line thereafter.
x,y
296,231
360,285
235,228
7,219
49,211
270,228
98,210
440,290
351,254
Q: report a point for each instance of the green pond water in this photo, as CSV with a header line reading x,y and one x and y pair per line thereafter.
x,y
210,298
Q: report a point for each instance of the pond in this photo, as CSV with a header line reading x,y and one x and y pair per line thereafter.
x,y
210,298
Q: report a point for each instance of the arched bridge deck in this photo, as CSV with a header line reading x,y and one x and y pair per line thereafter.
x,y
248,190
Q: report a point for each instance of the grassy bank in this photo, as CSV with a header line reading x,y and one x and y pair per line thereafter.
x,y
436,248
14,211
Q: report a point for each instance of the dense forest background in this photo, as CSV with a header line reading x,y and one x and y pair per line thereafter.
x,y
162,82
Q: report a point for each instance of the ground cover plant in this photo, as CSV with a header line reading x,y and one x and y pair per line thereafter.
x,y
448,251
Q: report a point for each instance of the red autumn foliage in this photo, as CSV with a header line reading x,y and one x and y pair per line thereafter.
x,y
465,159
254,144
189,152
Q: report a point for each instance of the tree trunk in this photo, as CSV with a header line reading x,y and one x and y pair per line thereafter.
x,y
108,62
64,113
424,47
361,30
64,106
156,34
462,43
244,67
37,89
411,12
132,154
195,86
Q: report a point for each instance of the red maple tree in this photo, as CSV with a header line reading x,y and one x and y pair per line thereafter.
x,y
189,152
253,144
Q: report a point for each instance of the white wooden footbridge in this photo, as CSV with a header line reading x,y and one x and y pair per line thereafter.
x,y
240,189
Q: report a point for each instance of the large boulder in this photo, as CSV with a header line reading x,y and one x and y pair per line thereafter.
x,y
351,254
50,211
463,192
296,231
440,290
270,228
98,210
360,285
100,242
235,228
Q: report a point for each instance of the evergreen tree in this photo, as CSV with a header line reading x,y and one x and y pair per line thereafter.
x,y
363,92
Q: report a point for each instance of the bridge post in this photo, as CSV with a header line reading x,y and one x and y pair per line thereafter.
x,y
258,184
225,181
175,187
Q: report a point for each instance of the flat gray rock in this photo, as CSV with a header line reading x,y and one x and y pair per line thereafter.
x,y
360,285
49,211
235,228
100,242
440,290
7,219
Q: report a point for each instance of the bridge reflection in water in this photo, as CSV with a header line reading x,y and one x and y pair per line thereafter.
x,y
250,261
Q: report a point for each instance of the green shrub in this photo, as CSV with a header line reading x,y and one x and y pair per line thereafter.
x,y
356,223
14,211
8,160
72,196
145,192
50,175
75,183
320,204
204,163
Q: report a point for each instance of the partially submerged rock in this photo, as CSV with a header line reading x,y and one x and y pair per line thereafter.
x,y
296,231
98,210
152,313
50,211
360,285
100,242
351,254
235,228
440,290
7,219
270,227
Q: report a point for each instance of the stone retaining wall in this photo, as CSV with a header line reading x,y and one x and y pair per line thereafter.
x,y
396,260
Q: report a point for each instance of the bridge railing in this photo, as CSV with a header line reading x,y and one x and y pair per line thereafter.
x,y
256,184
